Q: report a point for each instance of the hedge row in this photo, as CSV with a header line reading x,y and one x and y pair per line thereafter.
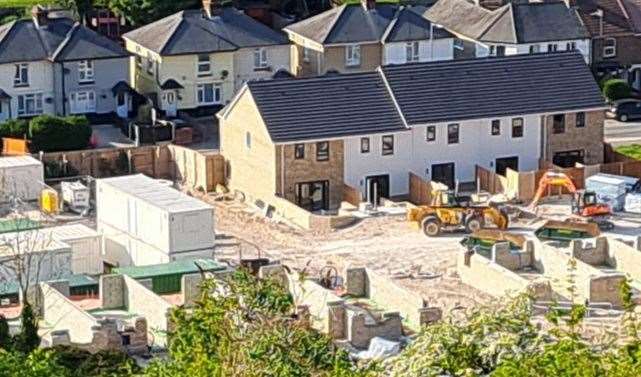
x,y
49,133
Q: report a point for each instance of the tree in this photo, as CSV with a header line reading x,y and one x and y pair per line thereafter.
x,y
141,12
5,335
28,339
615,89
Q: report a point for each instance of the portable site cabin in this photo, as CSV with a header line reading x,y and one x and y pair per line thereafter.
x,y
22,177
610,189
85,244
145,222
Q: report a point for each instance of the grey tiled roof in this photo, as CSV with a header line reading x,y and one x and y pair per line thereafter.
x,y
492,87
353,23
190,32
512,23
326,107
61,39
354,104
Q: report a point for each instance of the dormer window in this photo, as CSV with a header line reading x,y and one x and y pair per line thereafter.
x,y
609,48
85,71
21,77
260,58
411,52
352,55
204,65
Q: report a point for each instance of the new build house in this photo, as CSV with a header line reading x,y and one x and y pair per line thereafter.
x,y
304,139
55,66
197,59
361,37
515,28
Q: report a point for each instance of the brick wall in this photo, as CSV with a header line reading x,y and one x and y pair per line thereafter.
x,y
334,58
309,170
628,50
588,138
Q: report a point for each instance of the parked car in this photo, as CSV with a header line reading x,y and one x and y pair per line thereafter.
x,y
625,109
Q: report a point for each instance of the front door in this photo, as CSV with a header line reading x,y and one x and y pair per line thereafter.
x,y
444,173
313,196
5,108
502,164
170,105
377,188
568,159
122,105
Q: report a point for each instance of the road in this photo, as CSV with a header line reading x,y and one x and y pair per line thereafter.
x,y
618,133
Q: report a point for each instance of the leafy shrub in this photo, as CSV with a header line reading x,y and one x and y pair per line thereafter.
x,y
49,133
615,89
16,128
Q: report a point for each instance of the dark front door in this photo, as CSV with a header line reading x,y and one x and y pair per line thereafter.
x,y
313,196
377,188
568,159
444,173
506,162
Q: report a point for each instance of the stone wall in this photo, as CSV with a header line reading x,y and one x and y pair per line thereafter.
x,y
510,259
63,314
152,307
360,329
317,299
334,58
107,336
596,255
112,288
625,258
588,138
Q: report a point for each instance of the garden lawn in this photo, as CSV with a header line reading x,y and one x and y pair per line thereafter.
x,y
631,150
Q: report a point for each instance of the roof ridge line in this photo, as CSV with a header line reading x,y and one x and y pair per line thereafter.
x,y
503,10
172,34
63,44
331,26
397,106
10,27
391,25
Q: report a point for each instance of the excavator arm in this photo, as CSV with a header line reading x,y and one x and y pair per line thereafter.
x,y
499,218
550,179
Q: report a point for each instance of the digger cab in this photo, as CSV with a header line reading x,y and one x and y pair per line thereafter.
x,y
589,199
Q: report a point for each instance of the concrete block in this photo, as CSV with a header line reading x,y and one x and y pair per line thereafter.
x,y
337,320
430,315
360,332
190,286
112,291
276,272
356,282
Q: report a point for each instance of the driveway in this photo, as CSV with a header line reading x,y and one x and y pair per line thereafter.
x,y
108,136
619,133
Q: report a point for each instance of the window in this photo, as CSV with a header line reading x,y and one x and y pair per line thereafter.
x,y
22,75
492,50
299,151
570,46
248,140
500,50
150,66
387,145
139,61
126,340
552,47
496,127
82,102
352,55
517,127
459,44
535,49
30,104
306,55
411,52
580,120
558,124
452,134
365,145
204,65
430,133
609,48
208,94
260,58
85,71
322,151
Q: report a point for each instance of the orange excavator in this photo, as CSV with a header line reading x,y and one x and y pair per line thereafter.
x,y
584,202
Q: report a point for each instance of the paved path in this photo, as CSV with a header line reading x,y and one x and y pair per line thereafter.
x,y
618,133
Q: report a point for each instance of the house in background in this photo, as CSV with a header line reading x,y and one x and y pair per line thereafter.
x,y
55,66
361,37
196,60
305,139
615,27
518,27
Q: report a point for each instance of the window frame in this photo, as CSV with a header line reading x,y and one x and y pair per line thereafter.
x,y
389,141
21,77
558,130
427,134
495,131
37,98
607,47
353,55
450,128
570,46
518,127
366,145
535,49
412,52
260,58
553,47
306,55
86,69
216,89
201,62
299,151
320,154
581,124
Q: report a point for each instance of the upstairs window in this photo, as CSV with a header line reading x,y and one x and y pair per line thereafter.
x,y
430,133
609,48
387,145
580,120
21,77
150,66
353,55
535,49
322,151
553,47
517,127
570,46
204,65
496,127
85,71
558,124
411,52
365,145
306,55
260,58
299,151
452,134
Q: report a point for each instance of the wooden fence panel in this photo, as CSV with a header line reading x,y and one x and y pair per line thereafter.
x,y
352,195
420,190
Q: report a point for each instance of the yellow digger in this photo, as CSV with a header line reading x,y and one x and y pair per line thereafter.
x,y
450,212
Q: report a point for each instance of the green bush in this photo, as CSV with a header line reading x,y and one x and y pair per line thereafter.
x,y
615,89
16,128
49,133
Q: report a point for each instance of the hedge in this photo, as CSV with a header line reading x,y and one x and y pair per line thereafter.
x,y
16,128
615,89
49,133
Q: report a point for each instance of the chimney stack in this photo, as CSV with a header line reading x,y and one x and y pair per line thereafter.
x,y
211,8
368,4
40,15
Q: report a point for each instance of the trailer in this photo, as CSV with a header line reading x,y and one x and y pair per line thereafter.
x,y
21,177
150,222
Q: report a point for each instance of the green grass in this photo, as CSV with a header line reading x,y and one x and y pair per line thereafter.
x,y
22,3
631,150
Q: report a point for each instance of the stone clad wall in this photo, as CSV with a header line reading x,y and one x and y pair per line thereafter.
x,y
588,138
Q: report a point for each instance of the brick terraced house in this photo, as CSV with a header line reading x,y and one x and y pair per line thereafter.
x,y
304,139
